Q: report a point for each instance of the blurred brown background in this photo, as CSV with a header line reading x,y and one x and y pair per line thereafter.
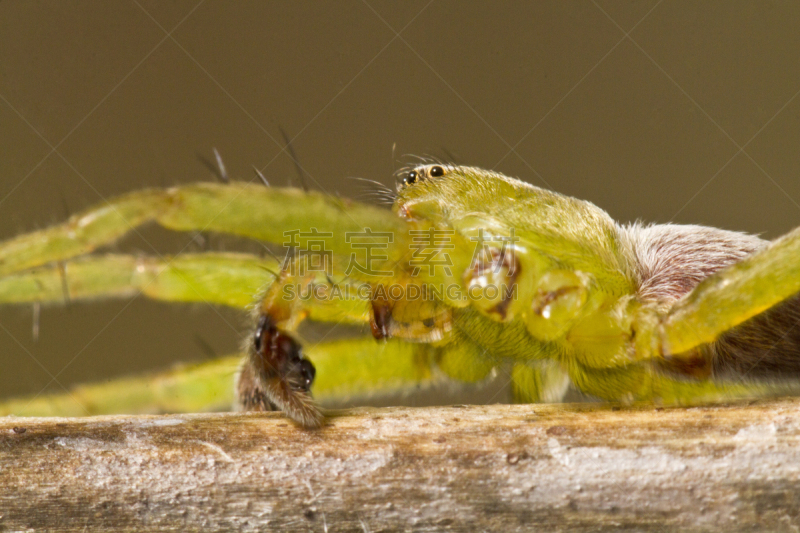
x,y
661,111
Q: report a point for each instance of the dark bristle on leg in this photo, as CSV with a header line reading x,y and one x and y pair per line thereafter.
x,y
218,170
261,176
278,377
301,173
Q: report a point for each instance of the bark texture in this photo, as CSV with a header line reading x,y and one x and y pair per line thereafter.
x,y
485,468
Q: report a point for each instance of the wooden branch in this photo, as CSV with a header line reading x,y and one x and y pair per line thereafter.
x,y
494,468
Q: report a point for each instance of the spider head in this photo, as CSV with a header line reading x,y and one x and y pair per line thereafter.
x,y
431,190
417,184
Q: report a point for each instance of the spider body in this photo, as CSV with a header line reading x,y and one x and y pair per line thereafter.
x,y
470,271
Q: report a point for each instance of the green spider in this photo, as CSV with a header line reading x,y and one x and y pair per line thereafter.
x,y
469,271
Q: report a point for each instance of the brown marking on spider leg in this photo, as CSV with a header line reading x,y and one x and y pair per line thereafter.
x,y
381,319
492,267
501,309
278,376
697,366
546,298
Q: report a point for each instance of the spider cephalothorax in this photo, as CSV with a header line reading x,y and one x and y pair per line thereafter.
x,y
469,272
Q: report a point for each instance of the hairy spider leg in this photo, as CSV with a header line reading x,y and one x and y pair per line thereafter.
x,y
646,382
731,297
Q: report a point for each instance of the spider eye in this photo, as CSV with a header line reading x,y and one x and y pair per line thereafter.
x,y
436,171
411,178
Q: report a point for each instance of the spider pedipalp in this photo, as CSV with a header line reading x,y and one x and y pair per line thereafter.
x,y
279,375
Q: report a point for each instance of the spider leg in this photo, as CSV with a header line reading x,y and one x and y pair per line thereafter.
x,y
538,381
464,360
185,388
279,215
646,382
242,209
731,297
356,367
229,279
